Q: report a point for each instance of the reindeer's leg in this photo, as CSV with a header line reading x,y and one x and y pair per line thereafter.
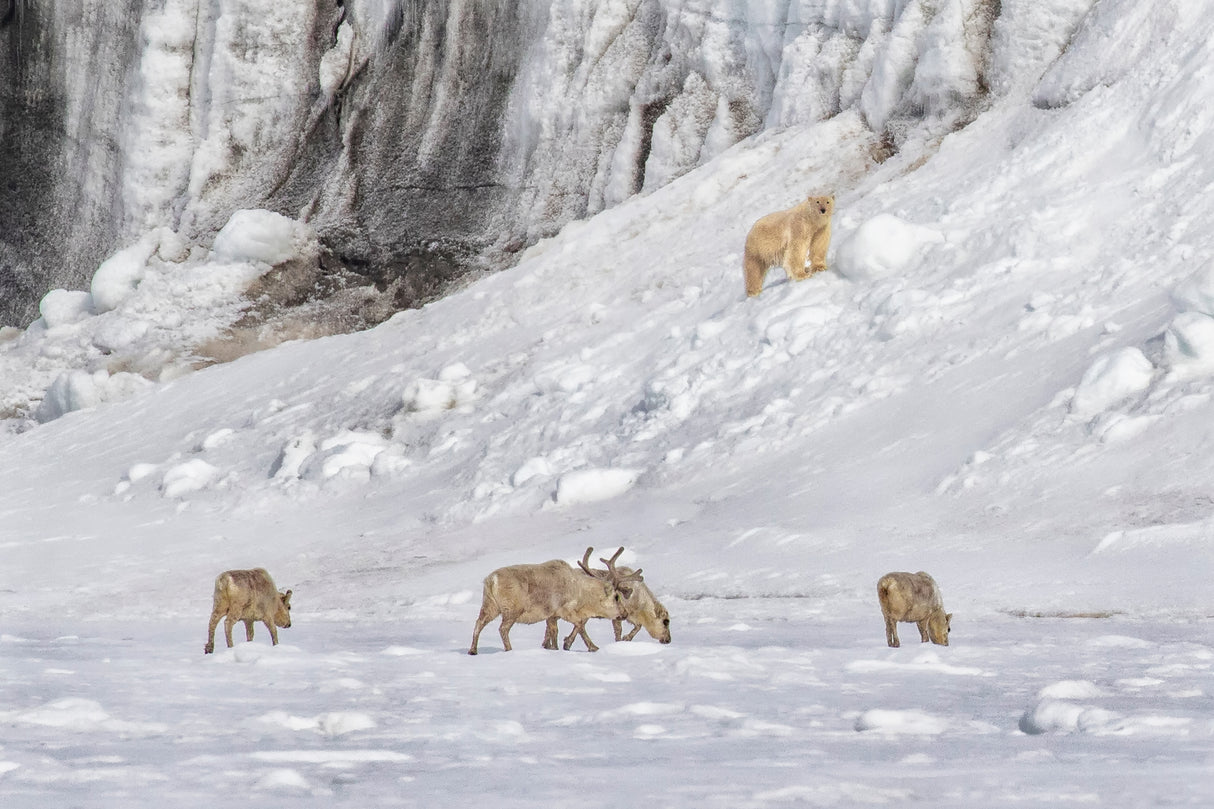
x,y
922,630
210,647
504,630
248,628
568,642
635,629
270,626
617,624
551,631
580,629
486,615
228,623
891,632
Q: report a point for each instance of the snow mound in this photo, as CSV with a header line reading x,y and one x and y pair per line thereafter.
x,y
331,724
883,246
1065,707
454,387
117,278
1071,689
1063,716
908,722
282,779
259,236
594,485
62,307
79,715
77,390
191,476
351,453
1111,379
1196,293
1189,343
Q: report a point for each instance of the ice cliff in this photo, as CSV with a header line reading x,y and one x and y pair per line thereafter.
x,y
419,137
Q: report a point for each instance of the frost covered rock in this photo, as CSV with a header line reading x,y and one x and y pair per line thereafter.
x,y
76,390
679,134
882,247
533,468
261,237
1111,379
1061,716
454,387
191,476
1189,343
117,334
1028,36
71,390
1058,709
348,454
120,274
594,485
339,62
62,307
1196,293
293,456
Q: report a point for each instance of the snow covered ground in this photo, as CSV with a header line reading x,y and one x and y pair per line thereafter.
x,y
1006,380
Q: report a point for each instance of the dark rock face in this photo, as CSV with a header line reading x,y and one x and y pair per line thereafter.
x,y
397,168
59,170
422,124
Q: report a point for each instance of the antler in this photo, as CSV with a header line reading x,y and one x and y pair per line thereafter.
x,y
585,563
616,576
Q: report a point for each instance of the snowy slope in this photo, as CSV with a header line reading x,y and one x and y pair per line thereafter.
x,y
1005,380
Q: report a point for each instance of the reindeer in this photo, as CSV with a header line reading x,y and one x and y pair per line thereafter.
x,y
913,598
641,608
545,592
248,595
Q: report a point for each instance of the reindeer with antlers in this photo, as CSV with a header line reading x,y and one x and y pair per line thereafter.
x,y
641,607
553,590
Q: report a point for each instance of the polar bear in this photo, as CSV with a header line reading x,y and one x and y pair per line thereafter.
x,y
788,238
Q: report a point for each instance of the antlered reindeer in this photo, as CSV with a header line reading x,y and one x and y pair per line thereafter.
x,y
545,592
641,608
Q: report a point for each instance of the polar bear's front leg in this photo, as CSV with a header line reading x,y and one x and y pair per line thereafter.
x,y
817,249
794,261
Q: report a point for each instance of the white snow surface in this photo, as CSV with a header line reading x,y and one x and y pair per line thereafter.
x,y
1019,400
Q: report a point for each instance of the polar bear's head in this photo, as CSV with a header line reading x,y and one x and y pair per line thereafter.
x,y
825,206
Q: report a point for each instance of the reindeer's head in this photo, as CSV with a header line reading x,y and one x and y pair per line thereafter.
x,y
938,625
282,610
622,582
657,623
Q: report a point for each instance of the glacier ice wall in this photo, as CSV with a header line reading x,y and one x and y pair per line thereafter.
x,y
416,135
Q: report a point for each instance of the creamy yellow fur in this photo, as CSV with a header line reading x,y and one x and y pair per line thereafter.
x,y
787,239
